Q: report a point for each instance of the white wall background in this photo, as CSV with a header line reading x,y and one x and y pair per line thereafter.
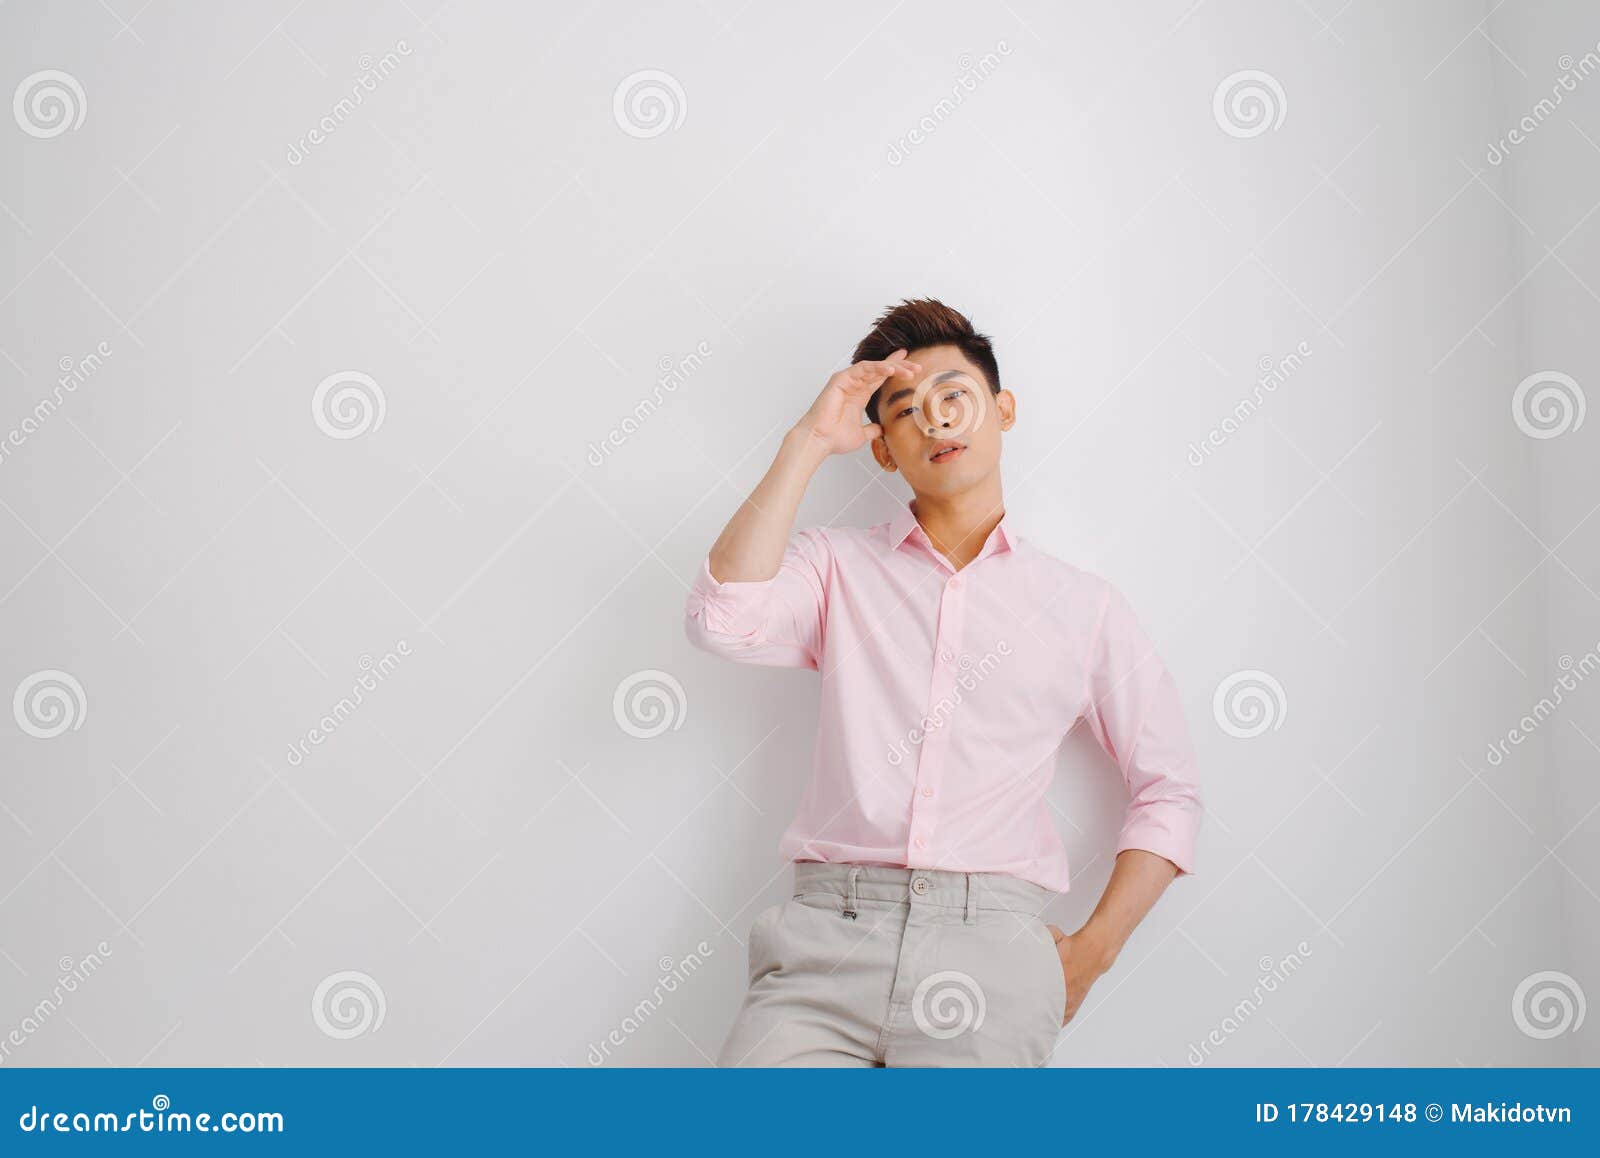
x,y
481,839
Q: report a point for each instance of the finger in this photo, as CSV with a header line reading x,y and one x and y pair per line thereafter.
x,y
872,430
878,371
865,377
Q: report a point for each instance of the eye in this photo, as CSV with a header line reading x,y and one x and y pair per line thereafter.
x,y
905,412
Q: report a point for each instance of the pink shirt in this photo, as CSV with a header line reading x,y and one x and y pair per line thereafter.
x,y
945,695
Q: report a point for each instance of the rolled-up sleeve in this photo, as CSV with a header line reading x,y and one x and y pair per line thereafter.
x,y
777,622
1135,713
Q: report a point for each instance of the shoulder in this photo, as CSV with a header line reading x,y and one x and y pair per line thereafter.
x,y
1067,576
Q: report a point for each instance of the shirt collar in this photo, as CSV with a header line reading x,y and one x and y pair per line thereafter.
x,y
1006,533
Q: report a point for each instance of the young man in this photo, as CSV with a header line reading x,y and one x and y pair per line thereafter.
x,y
955,655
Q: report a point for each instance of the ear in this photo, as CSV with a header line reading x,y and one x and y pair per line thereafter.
x,y
880,451
1006,403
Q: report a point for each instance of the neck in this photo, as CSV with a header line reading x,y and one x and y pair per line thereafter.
x,y
959,525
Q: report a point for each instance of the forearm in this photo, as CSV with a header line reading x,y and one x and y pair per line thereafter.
x,y
751,546
1137,881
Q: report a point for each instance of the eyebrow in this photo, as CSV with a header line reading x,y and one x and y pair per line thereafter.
x,y
904,390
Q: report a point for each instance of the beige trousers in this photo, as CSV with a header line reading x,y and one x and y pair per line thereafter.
x,y
869,966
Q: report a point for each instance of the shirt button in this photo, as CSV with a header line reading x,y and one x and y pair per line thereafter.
x,y
955,582
947,655
920,843
927,791
919,885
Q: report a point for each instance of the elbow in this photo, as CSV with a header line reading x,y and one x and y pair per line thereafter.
x,y
703,637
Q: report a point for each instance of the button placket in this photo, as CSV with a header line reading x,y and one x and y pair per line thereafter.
x,y
930,764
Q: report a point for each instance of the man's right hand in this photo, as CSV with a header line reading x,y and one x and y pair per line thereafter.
x,y
834,420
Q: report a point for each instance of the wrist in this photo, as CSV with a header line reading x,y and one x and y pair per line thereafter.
x,y
1097,945
805,447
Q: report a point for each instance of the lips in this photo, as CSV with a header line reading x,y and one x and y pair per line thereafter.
x,y
946,452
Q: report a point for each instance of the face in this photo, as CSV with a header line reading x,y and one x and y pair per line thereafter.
x,y
943,432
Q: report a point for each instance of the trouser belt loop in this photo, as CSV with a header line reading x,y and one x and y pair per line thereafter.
x,y
850,901
972,899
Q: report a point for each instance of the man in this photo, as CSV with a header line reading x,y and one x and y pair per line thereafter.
x,y
955,655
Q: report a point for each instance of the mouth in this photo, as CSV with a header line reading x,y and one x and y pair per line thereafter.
x,y
947,452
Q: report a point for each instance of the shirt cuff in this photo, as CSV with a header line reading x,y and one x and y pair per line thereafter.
x,y
1173,838
731,607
